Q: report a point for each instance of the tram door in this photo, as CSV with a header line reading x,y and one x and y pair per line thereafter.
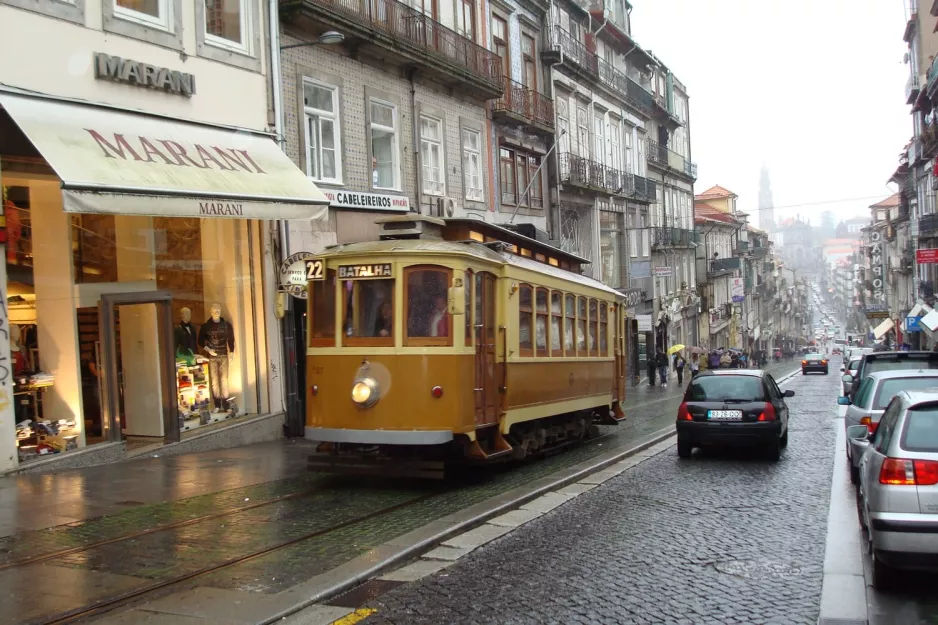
x,y
486,379
621,351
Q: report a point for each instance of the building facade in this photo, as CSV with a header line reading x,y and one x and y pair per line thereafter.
x,y
141,311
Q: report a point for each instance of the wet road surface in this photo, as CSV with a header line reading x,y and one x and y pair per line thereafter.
x,y
262,537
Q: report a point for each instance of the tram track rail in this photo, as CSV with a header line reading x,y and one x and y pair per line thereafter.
x,y
122,599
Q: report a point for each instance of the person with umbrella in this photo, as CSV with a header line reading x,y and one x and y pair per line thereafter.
x,y
662,361
679,364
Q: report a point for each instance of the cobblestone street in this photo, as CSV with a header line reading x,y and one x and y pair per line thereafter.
x,y
721,538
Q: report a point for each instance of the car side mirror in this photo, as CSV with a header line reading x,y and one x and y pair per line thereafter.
x,y
788,394
842,369
858,433
843,401
847,378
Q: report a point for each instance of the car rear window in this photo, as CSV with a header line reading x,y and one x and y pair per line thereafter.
x,y
726,387
854,365
889,388
896,364
920,432
814,357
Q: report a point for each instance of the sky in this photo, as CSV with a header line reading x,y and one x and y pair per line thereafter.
x,y
814,89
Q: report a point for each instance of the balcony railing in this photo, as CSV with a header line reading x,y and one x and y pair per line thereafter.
x,y
742,247
912,89
723,265
931,78
526,103
412,28
666,236
665,158
574,51
928,143
585,172
644,189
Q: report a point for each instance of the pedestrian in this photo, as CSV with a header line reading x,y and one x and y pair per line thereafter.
x,y
662,361
679,363
714,360
694,366
725,360
734,361
652,371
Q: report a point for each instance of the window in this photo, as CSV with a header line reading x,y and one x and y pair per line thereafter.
x,y
646,238
148,12
466,19
500,39
517,169
598,138
384,148
226,23
472,164
569,323
467,288
529,56
525,310
722,387
603,329
323,145
629,156
593,323
583,132
563,124
540,322
431,155
581,327
427,7
920,433
556,323
428,320
368,312
614,157
889,388
322,311
610,243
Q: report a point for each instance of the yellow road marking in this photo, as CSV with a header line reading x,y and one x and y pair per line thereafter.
x,y
355,617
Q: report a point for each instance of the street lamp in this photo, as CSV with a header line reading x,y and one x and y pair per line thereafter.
x,y
328,38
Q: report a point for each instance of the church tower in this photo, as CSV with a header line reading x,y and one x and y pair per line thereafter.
x,y
766,203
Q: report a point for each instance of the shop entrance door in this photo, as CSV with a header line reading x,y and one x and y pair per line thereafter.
x,y
486,386
138,371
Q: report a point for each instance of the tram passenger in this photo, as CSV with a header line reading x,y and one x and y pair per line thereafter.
x,y
439,321
385,323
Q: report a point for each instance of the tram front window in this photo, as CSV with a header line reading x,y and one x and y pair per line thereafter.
x,y
427,308
369,308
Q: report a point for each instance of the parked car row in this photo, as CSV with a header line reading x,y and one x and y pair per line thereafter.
x,y
892,452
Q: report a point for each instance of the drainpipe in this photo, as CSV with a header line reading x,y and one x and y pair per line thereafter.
x,y
415,122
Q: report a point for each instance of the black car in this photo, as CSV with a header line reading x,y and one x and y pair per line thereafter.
x,y
888,361
740,407
814,362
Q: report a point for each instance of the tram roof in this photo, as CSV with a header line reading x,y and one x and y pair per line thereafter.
x,y
467,248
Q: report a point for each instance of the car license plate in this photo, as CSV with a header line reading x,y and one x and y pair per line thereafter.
x,y
725,415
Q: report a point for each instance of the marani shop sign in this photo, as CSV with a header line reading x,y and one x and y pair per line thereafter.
x,y
117,69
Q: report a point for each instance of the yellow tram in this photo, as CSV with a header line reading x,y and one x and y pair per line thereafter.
x,y
456,340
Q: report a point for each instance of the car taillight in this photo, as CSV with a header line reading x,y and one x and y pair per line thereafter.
x,y
899,472
824,362
870,425
804,362
768,413
683,414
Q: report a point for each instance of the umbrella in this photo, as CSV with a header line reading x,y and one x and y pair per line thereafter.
x,y
674,349
697,350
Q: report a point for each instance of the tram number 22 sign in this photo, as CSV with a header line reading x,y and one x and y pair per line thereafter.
x,y
298,269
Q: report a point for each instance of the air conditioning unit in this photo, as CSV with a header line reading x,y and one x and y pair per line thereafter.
x,y
445,207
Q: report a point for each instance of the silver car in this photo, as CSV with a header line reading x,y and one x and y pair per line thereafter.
x,y
898,495
872,398
848,372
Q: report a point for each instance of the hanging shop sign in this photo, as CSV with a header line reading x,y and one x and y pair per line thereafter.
x,y
644,323
926,257
876,265
877,311
367,201
117,69
739,291
662,272
299,269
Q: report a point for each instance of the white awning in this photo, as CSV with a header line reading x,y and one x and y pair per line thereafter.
x,y
930,321
916,311
118,162
883,328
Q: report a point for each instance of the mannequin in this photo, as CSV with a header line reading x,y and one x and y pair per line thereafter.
x,y
216,338
185,333
16,353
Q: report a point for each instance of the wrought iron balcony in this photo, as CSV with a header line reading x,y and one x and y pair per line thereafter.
x,y
912,89
525,105
931,78
667,236
928,225
590,174
742,247
566,49
723,265
645,189
926,144
664,158
407,36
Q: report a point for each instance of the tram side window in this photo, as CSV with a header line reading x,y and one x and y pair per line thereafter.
x,y
556,323
568,326
322,307
525,312
593,323
581,327
540,321
467,287
428,318
603,329
369,311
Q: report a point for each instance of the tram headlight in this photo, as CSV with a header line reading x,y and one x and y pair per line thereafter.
x,y
365,392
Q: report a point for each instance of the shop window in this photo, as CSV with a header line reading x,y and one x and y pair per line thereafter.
x,y
525,310
368,312
322,311
540,322
467,288
581,327
593,323
603,329
556,323
569,325
428,320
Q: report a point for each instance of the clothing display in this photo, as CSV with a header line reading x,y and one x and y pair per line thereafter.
x,y
217,336
186,337
218,373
